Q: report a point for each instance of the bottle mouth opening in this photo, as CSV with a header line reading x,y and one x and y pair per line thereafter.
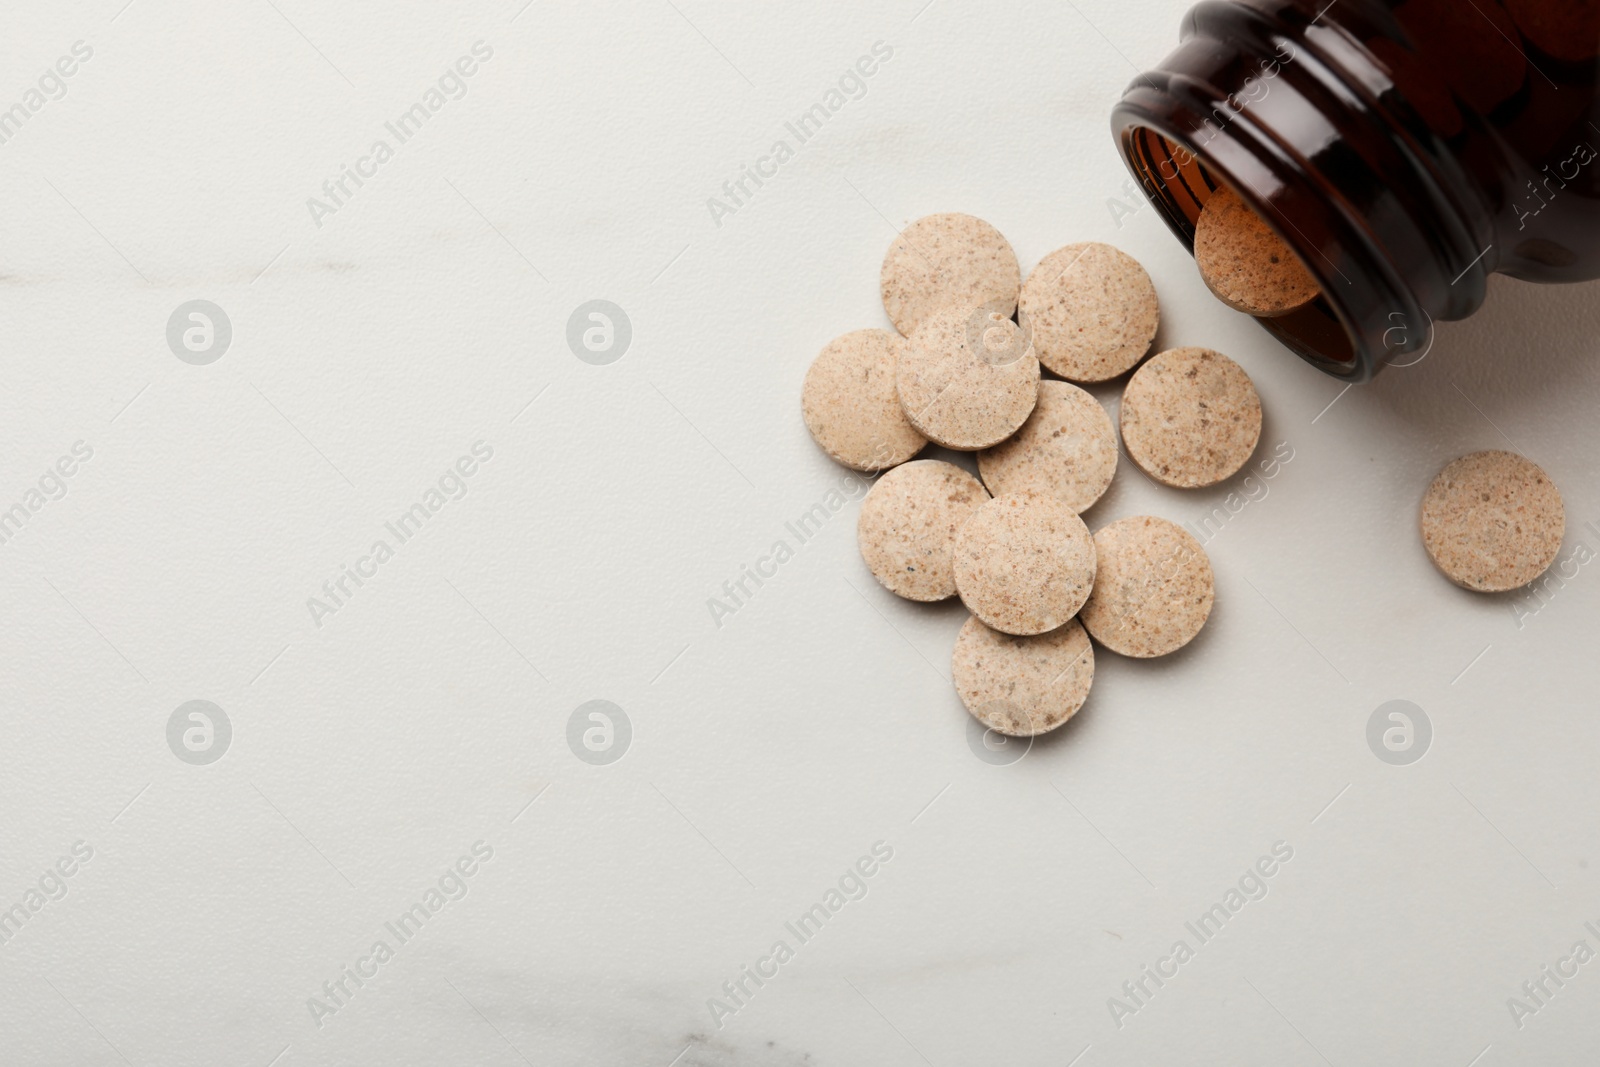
x,y
1178,181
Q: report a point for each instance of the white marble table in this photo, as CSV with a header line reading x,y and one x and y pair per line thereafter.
x,y
405,343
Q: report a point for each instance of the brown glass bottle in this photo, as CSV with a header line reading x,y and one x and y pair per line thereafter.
x,y
1405,150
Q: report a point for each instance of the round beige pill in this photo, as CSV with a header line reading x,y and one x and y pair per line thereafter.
x,y
851,405
1153,589
1245,264
908,523
1190,417
1022,686
947,259
1091,309
1066,449
1024,563
1492,521
967,377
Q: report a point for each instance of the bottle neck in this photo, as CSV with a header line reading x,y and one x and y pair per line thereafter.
x,y
1309,126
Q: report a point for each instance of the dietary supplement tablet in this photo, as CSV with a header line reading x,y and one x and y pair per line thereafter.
x,y
1492,521
1067,449
947,259
1245,264
908,523
1024,563
1091,309
1190,417
1022,686
967,377
1153,587
851,405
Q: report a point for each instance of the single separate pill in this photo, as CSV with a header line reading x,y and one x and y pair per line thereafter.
x,y
1190,417
947,259
908,525
1092,311
1153,588
1022,686
1245,264
1492,521
968,377
851,405
1066,449
1024,563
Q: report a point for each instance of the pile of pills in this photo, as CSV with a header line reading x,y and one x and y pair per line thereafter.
x,y
965,369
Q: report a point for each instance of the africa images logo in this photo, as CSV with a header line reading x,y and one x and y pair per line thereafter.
x,y
451,85
199,732
1399,732
453,884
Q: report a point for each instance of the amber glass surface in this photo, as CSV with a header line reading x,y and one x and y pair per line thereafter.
x,y
1405,150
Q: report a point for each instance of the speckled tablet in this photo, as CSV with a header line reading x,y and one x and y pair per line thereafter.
x,y
1092,311
1245,264
908,523
851,405
1190,417
1153,588
1492,521
1022,686
1067,449
1024,563
947,259
968,377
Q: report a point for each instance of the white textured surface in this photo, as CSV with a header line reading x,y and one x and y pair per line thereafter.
x,y
771,752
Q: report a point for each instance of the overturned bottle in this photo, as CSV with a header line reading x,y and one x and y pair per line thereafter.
x,y
1402,151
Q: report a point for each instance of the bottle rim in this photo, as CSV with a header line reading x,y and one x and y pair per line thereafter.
x,y
1362,320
